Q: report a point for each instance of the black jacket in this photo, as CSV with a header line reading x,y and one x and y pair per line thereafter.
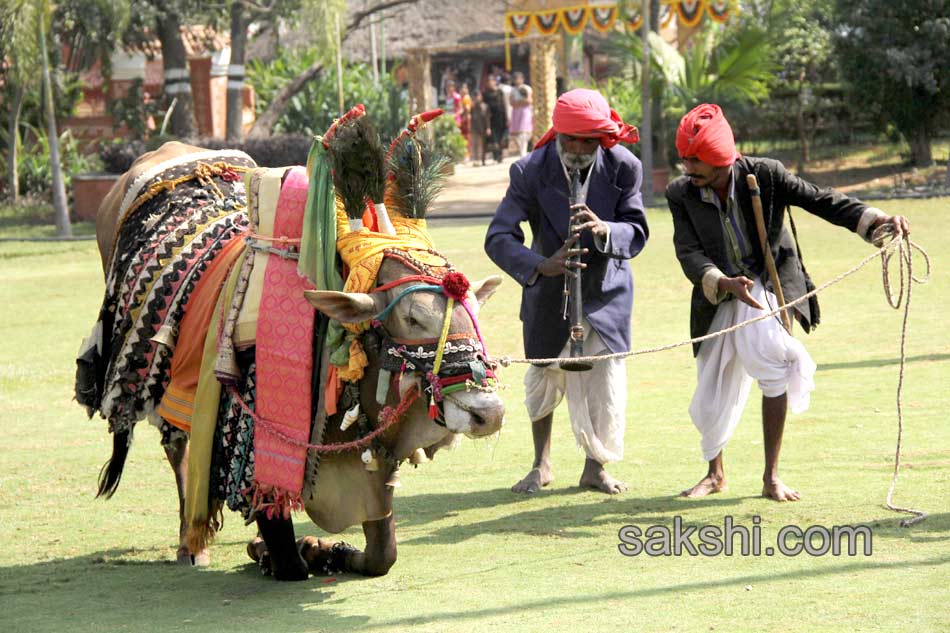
x,y
700,244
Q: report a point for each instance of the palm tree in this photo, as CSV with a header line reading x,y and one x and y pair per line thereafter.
x,y
63,226
20,51
725,66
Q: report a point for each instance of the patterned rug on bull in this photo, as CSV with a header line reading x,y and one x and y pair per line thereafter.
x,y
176,217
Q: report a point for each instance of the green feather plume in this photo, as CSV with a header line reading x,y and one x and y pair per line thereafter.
x,y
418,176
357,157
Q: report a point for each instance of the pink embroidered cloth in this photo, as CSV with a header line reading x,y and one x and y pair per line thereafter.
x,y
284,363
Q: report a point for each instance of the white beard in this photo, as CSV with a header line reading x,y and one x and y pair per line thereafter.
x,y
574,161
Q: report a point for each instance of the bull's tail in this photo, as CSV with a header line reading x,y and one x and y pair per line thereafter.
x,y
111,471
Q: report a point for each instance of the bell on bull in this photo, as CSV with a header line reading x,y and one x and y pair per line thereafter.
x,y
216,273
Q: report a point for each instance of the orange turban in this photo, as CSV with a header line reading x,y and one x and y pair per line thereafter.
x,y
585,113
705,134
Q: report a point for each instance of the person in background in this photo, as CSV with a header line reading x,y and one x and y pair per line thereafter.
x,y
480,128
498,127
522,121
464,118
453,100
504,84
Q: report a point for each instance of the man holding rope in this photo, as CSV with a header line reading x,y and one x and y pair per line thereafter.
x,y
610,229
721,219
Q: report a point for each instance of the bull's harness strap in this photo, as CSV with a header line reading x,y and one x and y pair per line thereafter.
x,y
455,287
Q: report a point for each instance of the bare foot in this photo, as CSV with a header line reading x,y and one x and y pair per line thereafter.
x,y
536,479
595,477
708,485
778,491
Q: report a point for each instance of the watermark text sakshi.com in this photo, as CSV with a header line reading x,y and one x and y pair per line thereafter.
x,y
730,539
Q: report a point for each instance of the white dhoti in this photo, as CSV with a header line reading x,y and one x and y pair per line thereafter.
x,y
727,364
596,399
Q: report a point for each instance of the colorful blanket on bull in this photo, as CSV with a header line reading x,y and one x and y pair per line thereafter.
x,y
173,221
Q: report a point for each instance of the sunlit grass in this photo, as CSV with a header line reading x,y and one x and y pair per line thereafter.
x,y
473,556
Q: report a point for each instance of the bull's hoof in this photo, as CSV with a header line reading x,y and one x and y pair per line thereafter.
x,y
185,558
325,558
294,571
256,548
257,551
202,558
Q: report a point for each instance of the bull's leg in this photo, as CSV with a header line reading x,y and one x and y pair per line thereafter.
x,y
285,561
326,557
175,444
380,552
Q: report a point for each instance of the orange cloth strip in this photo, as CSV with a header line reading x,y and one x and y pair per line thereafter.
x,y
178,402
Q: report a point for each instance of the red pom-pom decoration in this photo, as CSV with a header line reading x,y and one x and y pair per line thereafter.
x,y
455,285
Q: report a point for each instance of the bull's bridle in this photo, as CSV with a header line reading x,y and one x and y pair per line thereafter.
x,y
470,367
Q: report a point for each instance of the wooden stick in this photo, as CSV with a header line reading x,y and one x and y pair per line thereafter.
x,y
766,251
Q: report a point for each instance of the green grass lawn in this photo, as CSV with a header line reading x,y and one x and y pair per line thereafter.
x,y
472,555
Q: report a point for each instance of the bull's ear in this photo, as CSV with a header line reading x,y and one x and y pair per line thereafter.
x,y
345,307
485,288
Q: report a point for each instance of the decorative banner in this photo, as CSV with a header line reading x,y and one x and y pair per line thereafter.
x,y
690,12
603,16
667,13
574,20
518,24
547,22
719,10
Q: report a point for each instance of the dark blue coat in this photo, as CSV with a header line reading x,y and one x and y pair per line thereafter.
x,y
538,194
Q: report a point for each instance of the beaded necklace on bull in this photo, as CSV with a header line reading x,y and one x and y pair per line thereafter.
x,y
451,362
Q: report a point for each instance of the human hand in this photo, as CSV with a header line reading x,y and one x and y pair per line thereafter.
x,y
900,226
739,287
560,262
584,219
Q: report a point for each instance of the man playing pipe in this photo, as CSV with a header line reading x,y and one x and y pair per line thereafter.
x,y
718,245
610,229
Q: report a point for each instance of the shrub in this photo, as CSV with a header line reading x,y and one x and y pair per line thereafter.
x,y
275,151
449,141
117,157
33,163
313,109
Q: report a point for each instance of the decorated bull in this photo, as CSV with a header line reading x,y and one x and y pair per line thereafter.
x,y
213,270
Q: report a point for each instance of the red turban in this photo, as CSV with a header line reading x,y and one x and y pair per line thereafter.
x,y
585,113
705,134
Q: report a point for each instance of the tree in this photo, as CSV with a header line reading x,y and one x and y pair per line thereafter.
x,y
730,67
63,226
165,19
19,51
895,56
266,120
235,96
803,49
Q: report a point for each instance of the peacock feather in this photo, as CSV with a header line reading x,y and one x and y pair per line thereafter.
x,y
357,160
417,176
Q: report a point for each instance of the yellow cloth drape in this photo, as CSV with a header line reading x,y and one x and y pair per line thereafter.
x,y
362,251
198,515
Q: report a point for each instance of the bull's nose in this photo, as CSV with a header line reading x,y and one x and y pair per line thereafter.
x,y
489,419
